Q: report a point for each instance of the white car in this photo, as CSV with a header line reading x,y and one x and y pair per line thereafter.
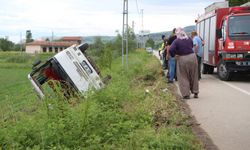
x,y
149,49
69,66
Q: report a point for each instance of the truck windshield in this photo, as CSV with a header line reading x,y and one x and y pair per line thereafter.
x,y
238,27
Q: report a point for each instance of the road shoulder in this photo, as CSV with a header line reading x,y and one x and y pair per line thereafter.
x,y
201,134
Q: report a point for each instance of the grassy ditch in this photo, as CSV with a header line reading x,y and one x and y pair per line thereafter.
x,y
133,111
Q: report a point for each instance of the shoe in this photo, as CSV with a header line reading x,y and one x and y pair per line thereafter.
x,y
195,95
186,97
170,82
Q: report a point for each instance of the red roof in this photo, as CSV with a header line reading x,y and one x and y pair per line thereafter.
x,y
71,38
47,43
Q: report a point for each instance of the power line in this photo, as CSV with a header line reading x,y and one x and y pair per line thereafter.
x,y
142,31
141,34
137,7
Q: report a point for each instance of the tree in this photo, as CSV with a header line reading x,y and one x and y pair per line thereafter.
x,y
103,53
97,46
29,36
6,45
47,39
131,40
117,44
150,43
237,2
19,47
106,57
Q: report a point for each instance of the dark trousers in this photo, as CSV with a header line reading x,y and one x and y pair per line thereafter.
x,y
199,66
164,61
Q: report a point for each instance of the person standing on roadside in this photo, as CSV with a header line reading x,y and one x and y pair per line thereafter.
x,y
171,61
197,43
187,66
163,48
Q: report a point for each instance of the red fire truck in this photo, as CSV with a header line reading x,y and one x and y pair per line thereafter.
x,y
226,34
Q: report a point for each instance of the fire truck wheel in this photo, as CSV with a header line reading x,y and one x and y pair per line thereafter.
x,y
210,69
223,73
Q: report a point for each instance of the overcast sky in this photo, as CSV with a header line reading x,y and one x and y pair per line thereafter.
x,y
93,17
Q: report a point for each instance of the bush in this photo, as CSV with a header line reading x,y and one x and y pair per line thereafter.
x,y
21,58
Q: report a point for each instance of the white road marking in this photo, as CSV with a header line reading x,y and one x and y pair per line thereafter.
x,y
233,86
236,88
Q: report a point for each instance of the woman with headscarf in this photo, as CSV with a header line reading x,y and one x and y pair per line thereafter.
x,y
187,66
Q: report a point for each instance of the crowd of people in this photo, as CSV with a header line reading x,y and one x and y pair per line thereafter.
x,y
182,56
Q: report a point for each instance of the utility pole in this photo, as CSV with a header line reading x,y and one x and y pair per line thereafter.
x,y
125,31
51,42
142,32
52,36
133,26
21,42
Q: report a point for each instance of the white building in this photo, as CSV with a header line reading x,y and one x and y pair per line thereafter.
x,y
246,4
54,47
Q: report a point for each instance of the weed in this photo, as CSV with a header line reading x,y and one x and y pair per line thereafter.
x,y
131,112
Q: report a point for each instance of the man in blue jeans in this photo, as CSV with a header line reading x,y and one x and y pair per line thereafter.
x,y
171,61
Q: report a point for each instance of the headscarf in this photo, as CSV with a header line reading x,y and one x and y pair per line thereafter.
x,y
180,33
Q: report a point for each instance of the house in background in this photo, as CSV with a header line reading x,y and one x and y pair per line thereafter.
x,y
52,47
77,39
246,4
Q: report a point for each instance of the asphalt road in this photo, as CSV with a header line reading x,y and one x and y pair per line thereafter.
x,y
223,110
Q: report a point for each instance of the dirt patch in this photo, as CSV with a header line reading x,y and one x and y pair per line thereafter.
x,y
146,80
160,118
197,130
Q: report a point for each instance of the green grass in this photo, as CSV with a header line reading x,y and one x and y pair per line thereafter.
x,y
123,115
14,69
15,87
20,59
16,93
